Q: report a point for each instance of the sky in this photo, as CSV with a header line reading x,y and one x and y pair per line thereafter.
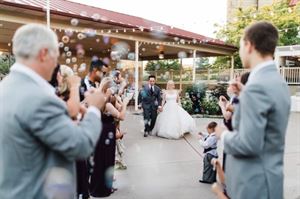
x,y
197,16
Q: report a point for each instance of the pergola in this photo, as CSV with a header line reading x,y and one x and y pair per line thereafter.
x,y
138,33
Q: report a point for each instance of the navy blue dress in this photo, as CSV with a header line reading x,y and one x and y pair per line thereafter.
x,y
104,159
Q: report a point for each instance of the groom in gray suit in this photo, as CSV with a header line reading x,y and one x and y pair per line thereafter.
x,y
36,132
254,164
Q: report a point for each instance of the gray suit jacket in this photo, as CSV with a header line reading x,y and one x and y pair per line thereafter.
x,y
254,165
36,134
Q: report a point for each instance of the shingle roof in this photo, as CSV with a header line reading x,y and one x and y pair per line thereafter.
x,y
68,8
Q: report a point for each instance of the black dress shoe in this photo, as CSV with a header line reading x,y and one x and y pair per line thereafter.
x,y
205,182
146,134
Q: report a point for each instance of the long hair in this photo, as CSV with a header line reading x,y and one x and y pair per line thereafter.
x,y
53,80
106,83
65,72
169,83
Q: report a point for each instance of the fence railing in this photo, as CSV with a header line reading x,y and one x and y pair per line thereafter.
x,y
291,75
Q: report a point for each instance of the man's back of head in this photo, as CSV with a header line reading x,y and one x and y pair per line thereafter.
x,y
259,41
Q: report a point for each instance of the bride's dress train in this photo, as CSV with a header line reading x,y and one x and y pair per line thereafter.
x,y
173,122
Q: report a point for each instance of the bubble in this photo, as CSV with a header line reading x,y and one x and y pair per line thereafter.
x,y
122,48
95,58
110,135
80,52
58,183
115,56
109,176
68,61
176,39
74,59
96,17
69,54
104,19
158,33
144,94
182,41
131,56
165,77
157,67
182,55
81,36
143,49
69,32
119,65
105,39
82,67
60,44
66,48
141,28
74,22
194,41
107,141
65,39
98,40
90,32
106,60
83,13
157,47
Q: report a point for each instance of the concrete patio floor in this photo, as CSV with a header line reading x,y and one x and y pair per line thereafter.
x,y
170,169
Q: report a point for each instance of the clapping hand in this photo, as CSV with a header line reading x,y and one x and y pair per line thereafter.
x,y
223,101
73,81
219,131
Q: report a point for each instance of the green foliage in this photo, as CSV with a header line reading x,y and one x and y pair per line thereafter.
x,y
203,63
187,105
197,90
5,63
220,89
285,18
210,106
163,65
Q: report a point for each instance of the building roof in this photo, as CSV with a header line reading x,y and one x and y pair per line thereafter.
x,y
293,2
81,11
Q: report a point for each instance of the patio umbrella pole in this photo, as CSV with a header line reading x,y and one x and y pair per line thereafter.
x,y
194,65
48,12
232,68
180,84
136,74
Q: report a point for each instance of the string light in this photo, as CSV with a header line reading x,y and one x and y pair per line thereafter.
x,y
179,40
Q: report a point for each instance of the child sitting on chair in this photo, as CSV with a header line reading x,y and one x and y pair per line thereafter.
x,y
209,143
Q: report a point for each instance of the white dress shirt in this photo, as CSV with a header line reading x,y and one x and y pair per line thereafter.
x,y
210,141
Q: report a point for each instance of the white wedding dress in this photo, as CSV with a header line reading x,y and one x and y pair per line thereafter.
x,y
173,122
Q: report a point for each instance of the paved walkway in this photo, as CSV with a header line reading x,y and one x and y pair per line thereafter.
x,y
170,169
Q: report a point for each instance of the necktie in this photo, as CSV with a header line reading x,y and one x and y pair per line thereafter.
x,y
152,90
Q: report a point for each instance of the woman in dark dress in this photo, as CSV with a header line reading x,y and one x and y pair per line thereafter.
x,y
104,156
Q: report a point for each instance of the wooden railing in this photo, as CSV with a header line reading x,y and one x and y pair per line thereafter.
x,y
291,75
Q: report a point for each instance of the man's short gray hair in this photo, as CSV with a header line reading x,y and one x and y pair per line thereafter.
x,y
31,38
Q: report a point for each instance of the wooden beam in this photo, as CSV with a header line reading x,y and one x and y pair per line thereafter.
x,y
59,24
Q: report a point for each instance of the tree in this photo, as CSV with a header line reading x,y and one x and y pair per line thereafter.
x,y
163,65
203,63
285,18
5,62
